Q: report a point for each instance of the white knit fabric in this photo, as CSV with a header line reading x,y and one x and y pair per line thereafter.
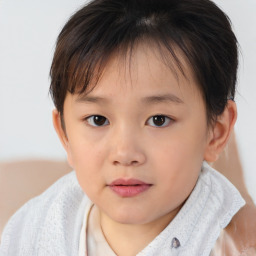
x,y
209,209
51,224
48,225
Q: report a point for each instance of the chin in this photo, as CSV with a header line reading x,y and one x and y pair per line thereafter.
x,y
129,218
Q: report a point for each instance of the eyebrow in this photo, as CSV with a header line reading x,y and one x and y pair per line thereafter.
x,y
147,100
162,99
91,99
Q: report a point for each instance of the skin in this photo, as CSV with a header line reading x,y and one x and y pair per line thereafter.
x,y
130,145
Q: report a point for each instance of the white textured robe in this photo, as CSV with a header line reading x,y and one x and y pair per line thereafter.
x,y
50,224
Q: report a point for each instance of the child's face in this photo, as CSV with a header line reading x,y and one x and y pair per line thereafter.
x,y
138,161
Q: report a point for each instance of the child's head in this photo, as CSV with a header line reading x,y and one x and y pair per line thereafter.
x,y
141,89
198,29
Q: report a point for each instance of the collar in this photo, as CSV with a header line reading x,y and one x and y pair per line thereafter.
x,y
210,207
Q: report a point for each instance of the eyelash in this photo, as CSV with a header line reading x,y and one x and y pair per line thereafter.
x,y
91,119
104,121
165,119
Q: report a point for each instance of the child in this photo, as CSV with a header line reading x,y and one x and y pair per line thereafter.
x,y
144,93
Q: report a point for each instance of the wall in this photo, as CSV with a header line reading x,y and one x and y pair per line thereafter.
x,y
28,30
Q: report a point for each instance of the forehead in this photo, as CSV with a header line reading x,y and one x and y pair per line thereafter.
x,y
145,69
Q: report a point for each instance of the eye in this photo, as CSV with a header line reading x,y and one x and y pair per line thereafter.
x,y
97,120
159,121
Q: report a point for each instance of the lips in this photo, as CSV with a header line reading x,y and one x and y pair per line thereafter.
x,y
129,188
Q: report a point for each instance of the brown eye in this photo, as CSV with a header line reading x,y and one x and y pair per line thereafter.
x,y
97,120
159,121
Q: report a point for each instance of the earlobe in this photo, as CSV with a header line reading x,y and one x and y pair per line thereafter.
x,y
220,132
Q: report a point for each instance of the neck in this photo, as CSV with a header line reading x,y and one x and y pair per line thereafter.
x,y
130,239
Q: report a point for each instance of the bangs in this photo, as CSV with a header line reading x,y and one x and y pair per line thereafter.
x,y
195,31
85,71
85,63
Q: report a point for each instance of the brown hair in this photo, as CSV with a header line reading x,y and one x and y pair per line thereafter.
x,y
198,28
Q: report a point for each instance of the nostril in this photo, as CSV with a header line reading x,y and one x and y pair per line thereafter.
x,y
126,163
116,163
128,157
134,162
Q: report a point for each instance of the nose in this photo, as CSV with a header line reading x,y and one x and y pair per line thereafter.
x,y
127,149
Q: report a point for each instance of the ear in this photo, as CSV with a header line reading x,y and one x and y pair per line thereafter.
x,y
220,132
58,126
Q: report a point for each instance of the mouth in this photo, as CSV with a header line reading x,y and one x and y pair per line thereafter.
x,y
129,188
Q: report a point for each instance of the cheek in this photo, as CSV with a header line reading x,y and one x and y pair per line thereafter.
x,y
176,177
178,151
87,161
178,163
89,179
85,151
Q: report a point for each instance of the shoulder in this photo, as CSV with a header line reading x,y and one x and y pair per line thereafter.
x,y
51,218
